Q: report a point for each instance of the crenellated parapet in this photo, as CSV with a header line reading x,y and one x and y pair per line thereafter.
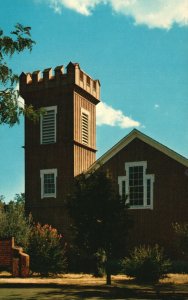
x,y
49,78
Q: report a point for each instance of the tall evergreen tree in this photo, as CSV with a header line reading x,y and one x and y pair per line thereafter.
x,y
100,218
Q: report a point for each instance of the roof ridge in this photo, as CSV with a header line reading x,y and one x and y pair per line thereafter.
x,y
135,133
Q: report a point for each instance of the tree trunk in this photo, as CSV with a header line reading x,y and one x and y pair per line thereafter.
x,y
108,273
108,278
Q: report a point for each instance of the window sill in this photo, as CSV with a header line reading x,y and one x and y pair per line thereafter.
x,y
48,196
51,143
141,207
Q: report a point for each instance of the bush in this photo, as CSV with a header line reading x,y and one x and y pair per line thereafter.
x,y
146,264
179,266
181,231
100,261
46,250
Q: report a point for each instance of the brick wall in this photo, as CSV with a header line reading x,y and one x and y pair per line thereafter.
x,y
13,259
6,253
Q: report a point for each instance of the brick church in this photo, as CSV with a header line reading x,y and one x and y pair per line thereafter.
x,y
63,145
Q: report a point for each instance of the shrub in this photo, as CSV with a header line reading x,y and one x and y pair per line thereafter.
x,y
100,261
46,250
146,264
179,266
99,266
181,231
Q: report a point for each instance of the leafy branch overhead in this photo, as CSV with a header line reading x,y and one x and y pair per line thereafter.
x,y
10,108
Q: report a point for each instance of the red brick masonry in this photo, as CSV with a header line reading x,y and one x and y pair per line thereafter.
x,y
13,258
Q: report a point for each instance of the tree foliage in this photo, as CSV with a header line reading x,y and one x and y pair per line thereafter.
x,y
100,218
46,250
10,109
13,222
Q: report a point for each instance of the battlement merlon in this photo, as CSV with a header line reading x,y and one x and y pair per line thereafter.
x,y
34,81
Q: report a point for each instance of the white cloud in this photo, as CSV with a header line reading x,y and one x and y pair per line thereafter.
x,y
158,13
83,7
153,13
156,106
107,115
20,100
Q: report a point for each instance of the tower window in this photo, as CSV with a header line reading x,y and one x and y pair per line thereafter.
x,y
48,125
137,186
85,126
48,183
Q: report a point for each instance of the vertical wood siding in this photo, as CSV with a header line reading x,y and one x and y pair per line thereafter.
x,y
170,199
83,159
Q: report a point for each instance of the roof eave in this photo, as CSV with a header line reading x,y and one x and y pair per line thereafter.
x,y
129,138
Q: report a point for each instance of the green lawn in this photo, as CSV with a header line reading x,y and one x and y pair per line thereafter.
x,y
88,288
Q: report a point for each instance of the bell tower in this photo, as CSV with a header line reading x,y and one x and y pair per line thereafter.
x,y
63,144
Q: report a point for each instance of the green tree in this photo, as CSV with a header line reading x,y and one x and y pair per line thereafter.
x,y
100,219
20,198
43,243
10,110
13,222
181,231
46,250
2,198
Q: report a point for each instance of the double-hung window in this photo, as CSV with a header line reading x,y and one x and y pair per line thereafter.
x,y
137,186
48,183
85,126
48,125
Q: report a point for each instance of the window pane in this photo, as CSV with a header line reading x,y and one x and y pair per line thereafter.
x,y
123,192
49,183
136,188
148,191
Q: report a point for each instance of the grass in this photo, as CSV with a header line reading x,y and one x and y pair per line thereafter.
x,y
79,286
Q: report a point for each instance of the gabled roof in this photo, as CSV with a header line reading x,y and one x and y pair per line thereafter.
x,y
128,139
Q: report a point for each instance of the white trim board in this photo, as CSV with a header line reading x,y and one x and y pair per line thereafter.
x,y
128,139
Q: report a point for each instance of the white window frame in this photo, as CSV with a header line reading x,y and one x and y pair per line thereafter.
x,y
42,173
83,110
41,125
151,177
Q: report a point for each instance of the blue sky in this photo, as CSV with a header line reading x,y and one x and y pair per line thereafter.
x,y
136,48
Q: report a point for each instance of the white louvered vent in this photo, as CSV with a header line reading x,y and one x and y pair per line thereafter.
x,y
48,130
85,128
